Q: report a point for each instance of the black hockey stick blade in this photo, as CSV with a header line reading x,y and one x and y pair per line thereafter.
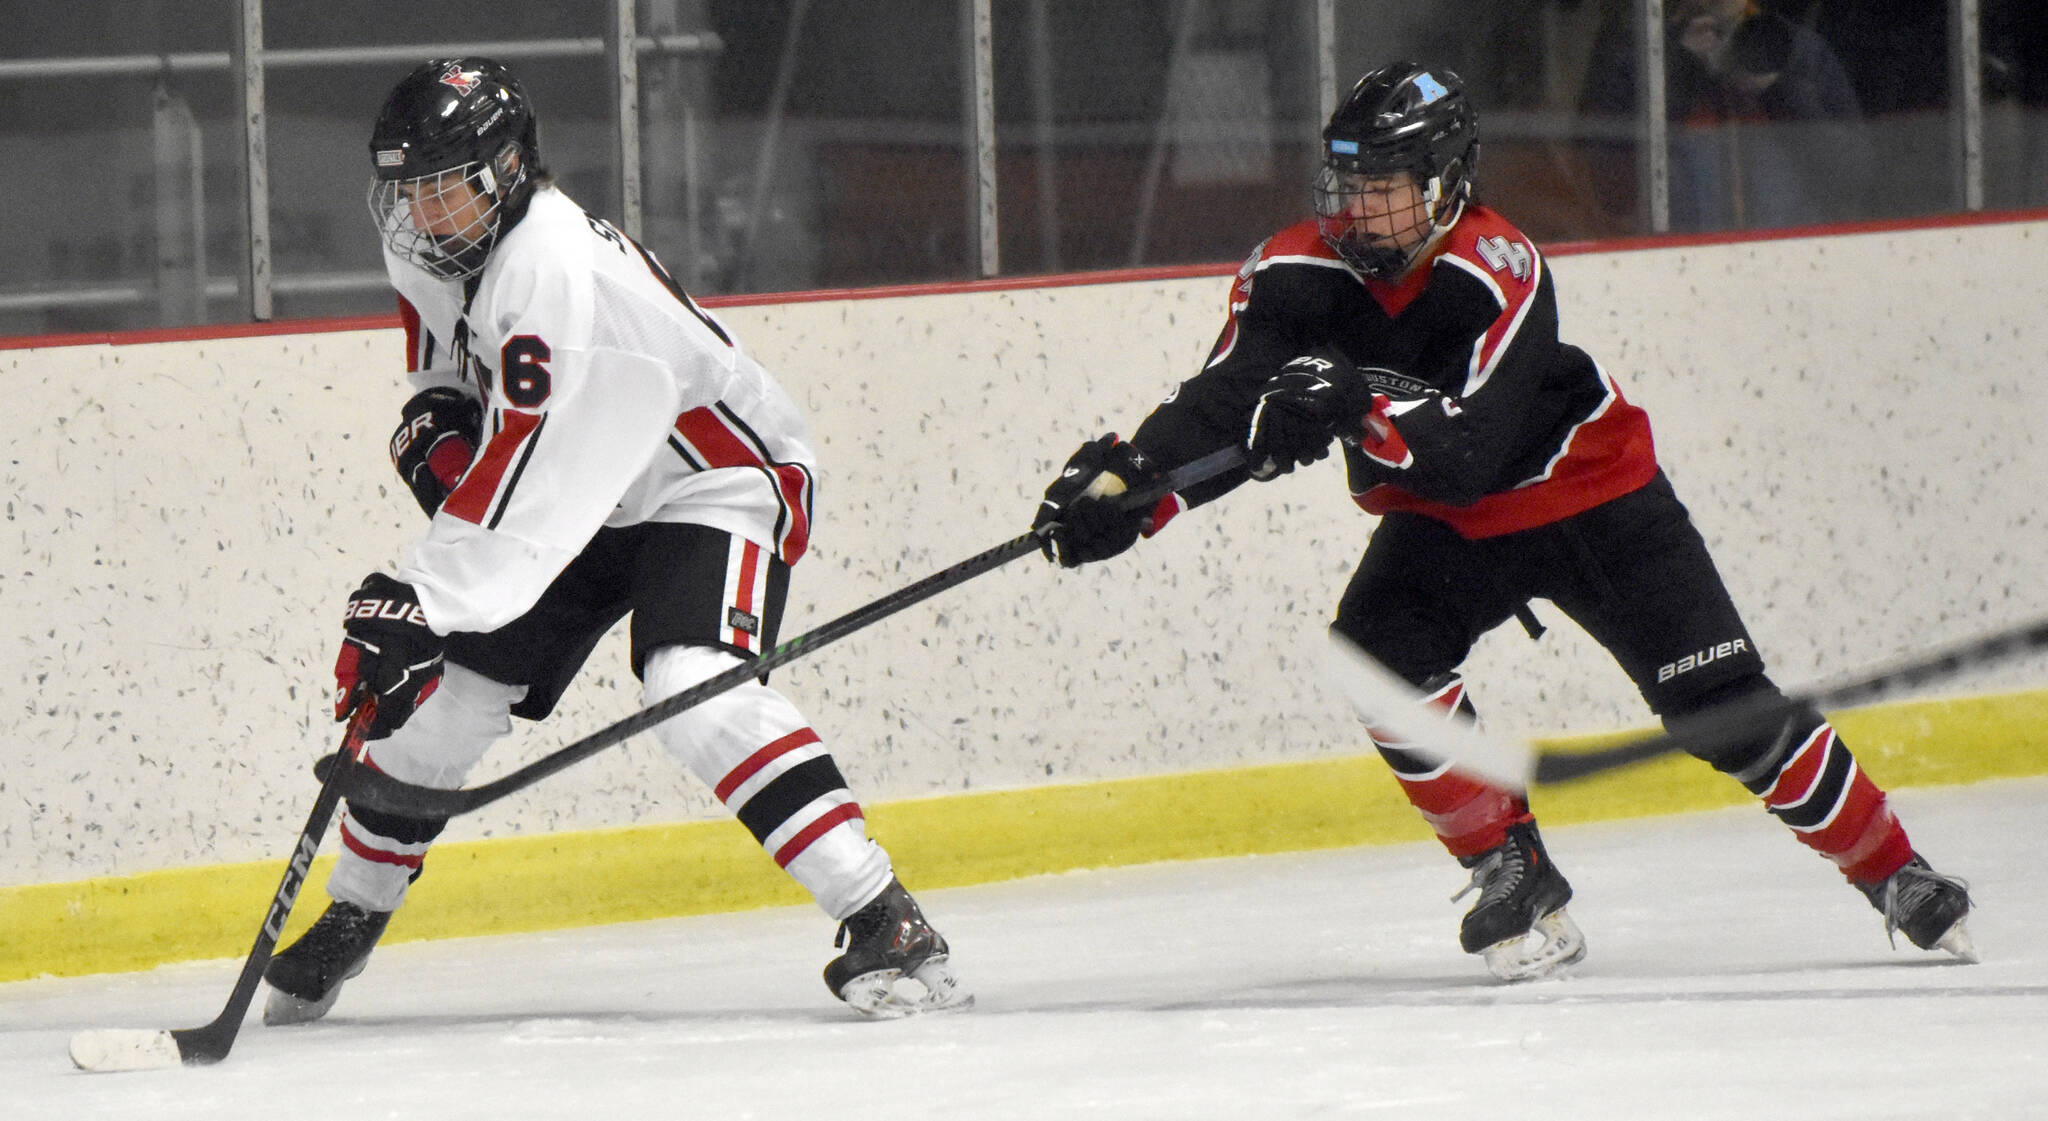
x,y
366,787
118,1049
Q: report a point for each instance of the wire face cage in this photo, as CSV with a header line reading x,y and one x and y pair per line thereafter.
x,y
444,223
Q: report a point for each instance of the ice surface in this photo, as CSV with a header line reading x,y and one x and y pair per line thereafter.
x,y
1731,975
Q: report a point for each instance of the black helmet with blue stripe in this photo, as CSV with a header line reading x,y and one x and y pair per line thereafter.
x,y
1402,119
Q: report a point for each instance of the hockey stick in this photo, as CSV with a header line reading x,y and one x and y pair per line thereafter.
x,y
367,787
116,1049
1394,705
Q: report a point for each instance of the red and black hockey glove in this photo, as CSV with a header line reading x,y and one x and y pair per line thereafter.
x,y
437,436
1300,411
387,651
1083,518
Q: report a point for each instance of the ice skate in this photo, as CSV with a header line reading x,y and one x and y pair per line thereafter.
x,y
1930,907
306,979
1519,923
886,941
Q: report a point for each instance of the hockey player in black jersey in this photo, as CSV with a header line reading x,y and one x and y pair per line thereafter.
x,y
1418,329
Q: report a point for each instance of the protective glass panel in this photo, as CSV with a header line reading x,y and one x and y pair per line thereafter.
x,y
1556,90
1154,133
120,163
788,144
330,67
2015,41
819,146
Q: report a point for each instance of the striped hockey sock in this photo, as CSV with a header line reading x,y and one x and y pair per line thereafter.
x,y
1468,815
1833,808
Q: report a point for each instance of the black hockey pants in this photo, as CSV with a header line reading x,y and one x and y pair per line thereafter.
x,y
1632,572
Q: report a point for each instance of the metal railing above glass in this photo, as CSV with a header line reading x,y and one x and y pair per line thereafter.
x,y
171,166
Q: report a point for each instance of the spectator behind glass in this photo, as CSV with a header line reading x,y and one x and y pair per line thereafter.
x,y
1765,126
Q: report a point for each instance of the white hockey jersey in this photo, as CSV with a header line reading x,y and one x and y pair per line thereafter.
x,y
610,399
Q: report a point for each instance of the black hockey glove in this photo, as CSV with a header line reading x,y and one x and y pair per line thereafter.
x,y
1300,410
1082,518
437,436
387,651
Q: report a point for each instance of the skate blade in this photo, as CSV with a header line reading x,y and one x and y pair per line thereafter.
x,y
1552,945
878,995
1957,941
282,1009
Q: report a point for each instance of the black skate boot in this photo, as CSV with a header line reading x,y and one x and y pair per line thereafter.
x,y
887,940
1519,922
1927,905
306,979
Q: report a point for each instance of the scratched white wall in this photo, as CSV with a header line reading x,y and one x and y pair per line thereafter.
x,y
1853,420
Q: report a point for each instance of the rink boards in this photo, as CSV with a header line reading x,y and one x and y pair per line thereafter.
x,y
1861,454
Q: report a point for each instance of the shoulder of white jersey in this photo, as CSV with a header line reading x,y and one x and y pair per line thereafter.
x,y
539,276
554,234
1489,249
561,262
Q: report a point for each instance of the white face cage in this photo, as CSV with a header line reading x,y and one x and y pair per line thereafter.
x,y
444,223
1346,200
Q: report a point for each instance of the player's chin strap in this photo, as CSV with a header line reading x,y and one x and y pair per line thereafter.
x,y
374,789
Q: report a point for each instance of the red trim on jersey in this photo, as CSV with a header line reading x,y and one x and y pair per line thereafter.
x,y
717,444
850,811
1608,455
409,318
1511,263
356,845
1302,239
1163,511
471,501
751,766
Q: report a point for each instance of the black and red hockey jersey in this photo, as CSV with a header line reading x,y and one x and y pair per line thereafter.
x,y
1507,427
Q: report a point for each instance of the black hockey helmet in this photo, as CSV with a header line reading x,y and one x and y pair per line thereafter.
x,y
1404,118
452,121
449,112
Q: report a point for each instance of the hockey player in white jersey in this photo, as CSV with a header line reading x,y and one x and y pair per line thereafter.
x,y
589,444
